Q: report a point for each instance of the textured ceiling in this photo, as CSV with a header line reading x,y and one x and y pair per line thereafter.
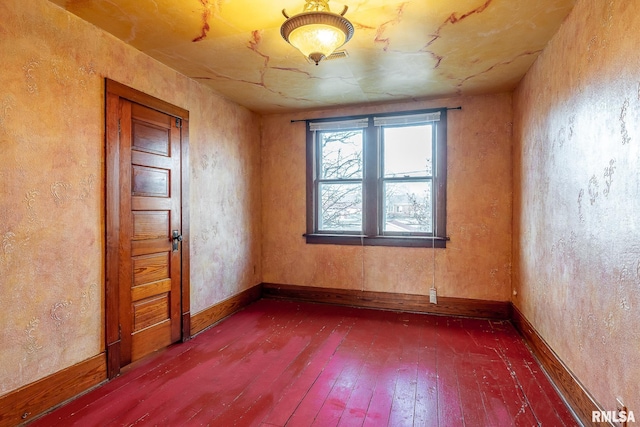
x,y
401,50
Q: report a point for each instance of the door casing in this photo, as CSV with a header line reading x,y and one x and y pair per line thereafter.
x,y
114,92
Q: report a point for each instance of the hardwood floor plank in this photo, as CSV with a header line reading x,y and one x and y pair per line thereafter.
x,y
334,404
513,398
356,349
154,373
496,410
404,397
449,399
376,359
213,361
541,401
291,396
381,402
356,408
314,399
473,411
244,361
260,396
151,370
426,408
100,403
283,363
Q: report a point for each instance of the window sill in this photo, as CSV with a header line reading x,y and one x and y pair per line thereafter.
x,y
357,240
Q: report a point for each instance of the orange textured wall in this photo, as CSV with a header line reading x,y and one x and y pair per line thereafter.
x,y
577,198
477,260
52,186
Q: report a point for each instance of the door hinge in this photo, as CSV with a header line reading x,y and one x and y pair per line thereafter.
x,y
178,122
119,128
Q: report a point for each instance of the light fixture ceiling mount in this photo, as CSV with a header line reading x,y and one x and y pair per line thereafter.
x,y
317,32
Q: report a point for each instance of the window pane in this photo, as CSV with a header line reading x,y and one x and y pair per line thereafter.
x,y
340,207
340,154
407,207
407,151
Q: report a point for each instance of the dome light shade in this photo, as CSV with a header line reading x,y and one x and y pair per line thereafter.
x,y
316,32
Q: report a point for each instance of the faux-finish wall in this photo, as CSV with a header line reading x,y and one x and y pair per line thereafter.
x,y
477,260
577,198
52,186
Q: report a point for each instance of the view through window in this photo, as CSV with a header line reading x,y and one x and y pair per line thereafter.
x,y
377,180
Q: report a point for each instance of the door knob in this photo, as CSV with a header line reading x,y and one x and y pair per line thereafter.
x,y
177,238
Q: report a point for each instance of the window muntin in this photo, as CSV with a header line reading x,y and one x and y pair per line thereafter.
x,y
384,186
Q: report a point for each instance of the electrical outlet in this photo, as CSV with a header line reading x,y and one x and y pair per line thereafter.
x,y
433,296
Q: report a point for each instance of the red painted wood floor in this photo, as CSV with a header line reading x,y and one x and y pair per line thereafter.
x,y
281,363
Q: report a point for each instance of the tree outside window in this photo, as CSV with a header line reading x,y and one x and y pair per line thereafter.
x,y
378,180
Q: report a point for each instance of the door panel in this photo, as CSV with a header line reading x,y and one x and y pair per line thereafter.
x,y
150,311
150,139
144,343
151,182
150,268
150,224
150,210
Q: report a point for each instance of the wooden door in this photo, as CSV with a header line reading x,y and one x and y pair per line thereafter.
x,y
149,217
147,303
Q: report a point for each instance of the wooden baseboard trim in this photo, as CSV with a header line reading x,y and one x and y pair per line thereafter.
x,y
208,317
573,392
391,301
26,403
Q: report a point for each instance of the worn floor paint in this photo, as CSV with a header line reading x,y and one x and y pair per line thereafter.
x,y
280,363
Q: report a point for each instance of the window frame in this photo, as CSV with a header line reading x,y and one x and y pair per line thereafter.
x,y
372,181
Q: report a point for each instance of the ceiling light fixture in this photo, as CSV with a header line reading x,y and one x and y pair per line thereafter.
x,y
317,32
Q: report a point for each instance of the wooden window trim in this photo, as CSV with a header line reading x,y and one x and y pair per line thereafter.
x,y
372,233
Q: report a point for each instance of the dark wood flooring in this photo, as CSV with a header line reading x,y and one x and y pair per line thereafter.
x,y
282,363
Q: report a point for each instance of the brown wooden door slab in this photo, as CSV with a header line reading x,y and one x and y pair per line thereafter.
x,y
149,213
147,305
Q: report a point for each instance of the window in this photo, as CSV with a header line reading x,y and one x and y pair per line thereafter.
x,y
377,180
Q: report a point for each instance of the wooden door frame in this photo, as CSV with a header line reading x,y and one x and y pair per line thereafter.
x,y
115,91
